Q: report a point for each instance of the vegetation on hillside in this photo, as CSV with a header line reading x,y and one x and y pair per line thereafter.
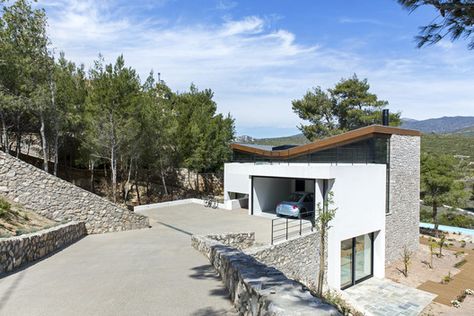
x,y
447,217
138,133
440,184
452,144
15,220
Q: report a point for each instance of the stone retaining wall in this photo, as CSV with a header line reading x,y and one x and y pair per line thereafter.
x,y
297,258
60,200
235,240
256,289
19,250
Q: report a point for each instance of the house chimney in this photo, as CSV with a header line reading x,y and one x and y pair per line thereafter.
x,y
385,117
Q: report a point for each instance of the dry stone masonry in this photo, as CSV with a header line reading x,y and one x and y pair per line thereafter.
x,y
255,288
402,222
235,240
297,258
60,200
17,251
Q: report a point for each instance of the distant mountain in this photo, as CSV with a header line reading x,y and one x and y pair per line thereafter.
x,y
468,131
456,125
297,139
244,139
442,125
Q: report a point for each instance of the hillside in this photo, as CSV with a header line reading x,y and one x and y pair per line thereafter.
x,y
454,144
468,131
16,220
297,139
440,125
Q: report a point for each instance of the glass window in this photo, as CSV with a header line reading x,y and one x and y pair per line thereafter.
x,y
309,198
294,197
356,259
363,257
346,263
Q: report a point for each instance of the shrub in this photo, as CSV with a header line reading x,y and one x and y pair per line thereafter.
x,y
446,278
441,243
460,263
406,258
5,207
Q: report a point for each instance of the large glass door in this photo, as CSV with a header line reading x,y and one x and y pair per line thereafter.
x,y
356,259
346,263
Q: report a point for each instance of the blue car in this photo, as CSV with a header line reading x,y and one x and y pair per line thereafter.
x,y
298,204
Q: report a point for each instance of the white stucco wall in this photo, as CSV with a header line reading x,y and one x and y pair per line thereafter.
x,y
280,189
359,195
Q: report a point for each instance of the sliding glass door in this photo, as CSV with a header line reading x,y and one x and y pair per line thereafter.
x,y
356,259
346,263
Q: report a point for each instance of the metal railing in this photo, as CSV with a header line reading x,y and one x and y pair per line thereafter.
x,y
284,228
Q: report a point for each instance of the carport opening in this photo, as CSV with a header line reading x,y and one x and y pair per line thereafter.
x,y
268,192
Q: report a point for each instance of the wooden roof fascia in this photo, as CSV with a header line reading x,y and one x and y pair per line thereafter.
x,y
330,142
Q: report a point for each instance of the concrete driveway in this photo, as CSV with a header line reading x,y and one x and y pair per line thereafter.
x,y
143,272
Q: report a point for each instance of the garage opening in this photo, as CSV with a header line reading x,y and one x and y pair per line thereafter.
x,y
268,192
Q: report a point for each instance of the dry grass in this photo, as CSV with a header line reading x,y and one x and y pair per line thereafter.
x,y
419,270
16,220
429,279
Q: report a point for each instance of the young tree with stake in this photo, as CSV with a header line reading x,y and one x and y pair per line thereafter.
x,y
325,213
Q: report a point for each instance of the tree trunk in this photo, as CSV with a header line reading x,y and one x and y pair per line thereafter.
x,y
18,145
18,135
113,172
322,262
138,193
4,133
56,153
29,145
435,216
44,143
136,186
163,181
197,181
91,168
126,188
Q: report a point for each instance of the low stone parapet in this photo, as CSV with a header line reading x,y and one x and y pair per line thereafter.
x,y
256,289
20,250
298,258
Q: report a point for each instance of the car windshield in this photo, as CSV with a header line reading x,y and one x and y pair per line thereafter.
x,y
295,197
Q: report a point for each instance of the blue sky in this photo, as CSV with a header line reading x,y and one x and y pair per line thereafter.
x,y
257,56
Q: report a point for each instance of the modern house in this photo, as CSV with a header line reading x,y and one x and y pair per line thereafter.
x,y
374,174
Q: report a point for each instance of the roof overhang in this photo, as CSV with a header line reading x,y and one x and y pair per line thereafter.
x,y
330,142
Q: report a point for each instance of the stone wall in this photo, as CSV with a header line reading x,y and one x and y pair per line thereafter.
x,y
402,222
235,240
297,258
19,250
60,200
255,288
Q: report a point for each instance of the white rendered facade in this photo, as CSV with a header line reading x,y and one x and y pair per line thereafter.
x,y
359,195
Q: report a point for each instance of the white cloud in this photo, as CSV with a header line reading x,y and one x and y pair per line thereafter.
x,y
225,5
256,70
